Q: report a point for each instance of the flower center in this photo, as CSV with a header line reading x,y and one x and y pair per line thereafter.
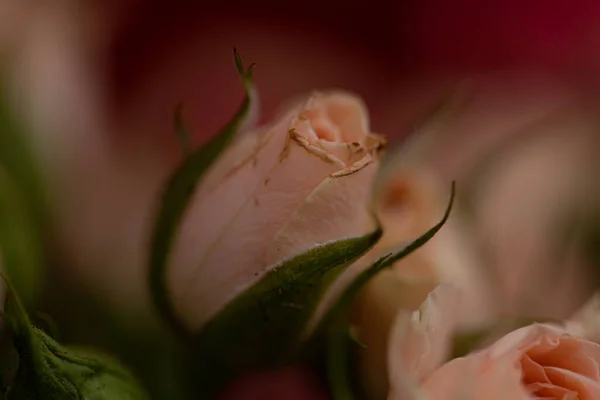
x,y
544,377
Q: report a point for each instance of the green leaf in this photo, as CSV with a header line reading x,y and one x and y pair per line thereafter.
x,y
50,371
177,195
20,242
335,325
264,326
22,206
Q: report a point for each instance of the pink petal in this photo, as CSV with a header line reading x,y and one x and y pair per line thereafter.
x,y
336,209
210,212
551,391
478,377
421,343
374,314
587,389
533,372
570,354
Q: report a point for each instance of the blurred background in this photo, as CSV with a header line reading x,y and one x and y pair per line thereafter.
x,y
96,84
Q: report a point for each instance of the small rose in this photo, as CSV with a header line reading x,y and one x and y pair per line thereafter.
x,y
539,361
275,193
254,229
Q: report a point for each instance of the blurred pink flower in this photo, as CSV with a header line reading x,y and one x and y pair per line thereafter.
x,y
537,361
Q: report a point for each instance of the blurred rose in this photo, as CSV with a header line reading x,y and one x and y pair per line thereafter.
x,y
523,167
410,199
276,192
507,242
537,361
525,198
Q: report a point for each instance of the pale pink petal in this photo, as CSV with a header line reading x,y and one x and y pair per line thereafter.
x,y
374,313
533,372
477,377
456,380
549,391
523,339
336,209
419,345
571,354
210,213
342,111
585,387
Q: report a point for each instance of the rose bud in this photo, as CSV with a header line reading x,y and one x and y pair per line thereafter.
x,y
278,216
48,370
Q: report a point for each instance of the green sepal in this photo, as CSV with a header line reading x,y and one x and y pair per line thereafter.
x,y
176,196
335,324
265,326
50,371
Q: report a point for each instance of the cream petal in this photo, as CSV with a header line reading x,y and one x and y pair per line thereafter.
x,y
454,381
524,338
419,347
336,209
420,342
375,310
342,110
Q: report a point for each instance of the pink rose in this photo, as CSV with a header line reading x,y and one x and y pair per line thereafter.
x,y
276,192
539,361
